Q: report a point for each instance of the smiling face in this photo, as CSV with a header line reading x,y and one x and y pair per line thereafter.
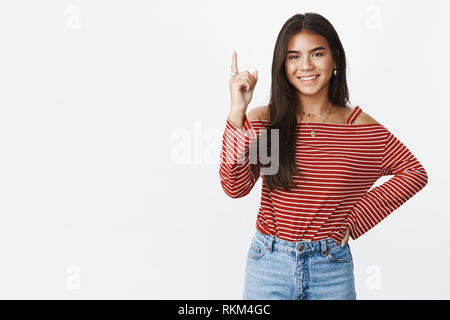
x,y
309,54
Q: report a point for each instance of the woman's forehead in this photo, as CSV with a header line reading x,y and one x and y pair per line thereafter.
x,y
306,41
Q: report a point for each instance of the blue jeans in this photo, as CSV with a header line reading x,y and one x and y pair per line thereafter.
x,y
312,270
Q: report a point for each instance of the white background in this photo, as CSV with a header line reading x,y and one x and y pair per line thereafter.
x,y
111,119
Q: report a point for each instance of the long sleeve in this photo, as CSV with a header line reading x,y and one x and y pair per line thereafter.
x,y
409,178
236,176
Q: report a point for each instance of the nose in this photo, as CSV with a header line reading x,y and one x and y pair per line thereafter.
x,y
305,64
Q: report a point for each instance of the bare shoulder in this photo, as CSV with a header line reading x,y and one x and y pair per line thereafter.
x,y
259,113
365,118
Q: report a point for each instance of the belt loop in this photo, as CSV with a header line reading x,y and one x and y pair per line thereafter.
x,y
270,243
323,246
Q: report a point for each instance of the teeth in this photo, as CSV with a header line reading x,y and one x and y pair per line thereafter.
x,y
308,78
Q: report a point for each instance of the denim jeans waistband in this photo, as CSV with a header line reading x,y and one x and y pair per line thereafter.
x,y
274,243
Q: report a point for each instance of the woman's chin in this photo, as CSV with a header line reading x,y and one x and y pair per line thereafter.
x,y
308,92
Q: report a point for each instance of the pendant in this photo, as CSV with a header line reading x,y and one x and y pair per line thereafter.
x,y
313,133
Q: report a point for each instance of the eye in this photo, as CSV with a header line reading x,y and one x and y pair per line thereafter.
x,y
292,57
318,53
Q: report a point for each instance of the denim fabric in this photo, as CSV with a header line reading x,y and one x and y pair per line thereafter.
x,y
311,270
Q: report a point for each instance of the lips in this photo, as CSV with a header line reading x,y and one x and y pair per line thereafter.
x,y
309,81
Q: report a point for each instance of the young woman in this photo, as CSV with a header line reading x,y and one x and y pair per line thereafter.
x,y
329,156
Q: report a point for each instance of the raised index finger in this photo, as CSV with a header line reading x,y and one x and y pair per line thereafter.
x,y
234,68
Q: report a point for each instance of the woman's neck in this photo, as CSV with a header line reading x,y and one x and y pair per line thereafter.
x,y
314,105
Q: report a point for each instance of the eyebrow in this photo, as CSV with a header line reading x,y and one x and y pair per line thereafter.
x,y
315,49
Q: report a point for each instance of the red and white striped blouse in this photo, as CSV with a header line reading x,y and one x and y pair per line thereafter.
x,y
339,165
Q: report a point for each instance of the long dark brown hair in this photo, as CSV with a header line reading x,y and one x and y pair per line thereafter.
x,y
284,105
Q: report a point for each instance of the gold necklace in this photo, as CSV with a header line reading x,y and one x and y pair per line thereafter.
x,y
314,115
313,130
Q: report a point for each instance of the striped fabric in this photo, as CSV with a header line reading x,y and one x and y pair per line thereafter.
x,y
338,167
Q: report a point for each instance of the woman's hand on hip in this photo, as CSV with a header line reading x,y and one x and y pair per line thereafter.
x,y
346,237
